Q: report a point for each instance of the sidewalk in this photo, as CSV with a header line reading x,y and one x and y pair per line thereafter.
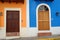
x,y
25,38
55,37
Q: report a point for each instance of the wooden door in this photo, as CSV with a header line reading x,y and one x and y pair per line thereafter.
x,y
12,23
43,20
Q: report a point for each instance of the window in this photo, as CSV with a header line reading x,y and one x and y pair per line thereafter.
x,y
43,8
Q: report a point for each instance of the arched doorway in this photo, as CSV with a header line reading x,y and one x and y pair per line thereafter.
x,y
43,18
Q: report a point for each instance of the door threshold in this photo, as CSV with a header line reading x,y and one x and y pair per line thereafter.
x,y
12,34
14,37
42,31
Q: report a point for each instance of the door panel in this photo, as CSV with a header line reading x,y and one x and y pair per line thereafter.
x,y
40,25
46,25
40,15
12,23
46,15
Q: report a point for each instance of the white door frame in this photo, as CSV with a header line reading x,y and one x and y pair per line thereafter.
x,y
49,17
13,9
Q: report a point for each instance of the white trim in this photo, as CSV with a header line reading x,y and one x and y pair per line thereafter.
x,y
15,9
49,16
27,13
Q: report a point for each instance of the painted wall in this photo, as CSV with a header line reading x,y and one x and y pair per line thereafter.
x,y
13,5
23,17
55,7
31,14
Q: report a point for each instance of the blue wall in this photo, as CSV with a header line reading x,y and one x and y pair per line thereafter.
x,y
55,7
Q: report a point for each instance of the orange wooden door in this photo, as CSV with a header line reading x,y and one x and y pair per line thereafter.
x,y
43,20
12,23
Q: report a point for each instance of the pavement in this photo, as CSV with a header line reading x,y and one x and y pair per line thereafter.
x,y
24,38
55,37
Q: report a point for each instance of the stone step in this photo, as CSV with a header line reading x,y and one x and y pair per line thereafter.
x,y
12,34
45,34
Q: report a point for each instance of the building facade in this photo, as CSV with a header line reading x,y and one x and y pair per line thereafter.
x,y
29,18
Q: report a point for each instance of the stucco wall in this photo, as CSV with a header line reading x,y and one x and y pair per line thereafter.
x,y
31,17
13,5
2,18
54,6
55,20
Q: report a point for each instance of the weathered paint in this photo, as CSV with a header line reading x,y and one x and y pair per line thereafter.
x,y
54,6
13,5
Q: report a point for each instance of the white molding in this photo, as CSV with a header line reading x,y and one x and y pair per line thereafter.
x,y
15,9
43,31
27,13
49,16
